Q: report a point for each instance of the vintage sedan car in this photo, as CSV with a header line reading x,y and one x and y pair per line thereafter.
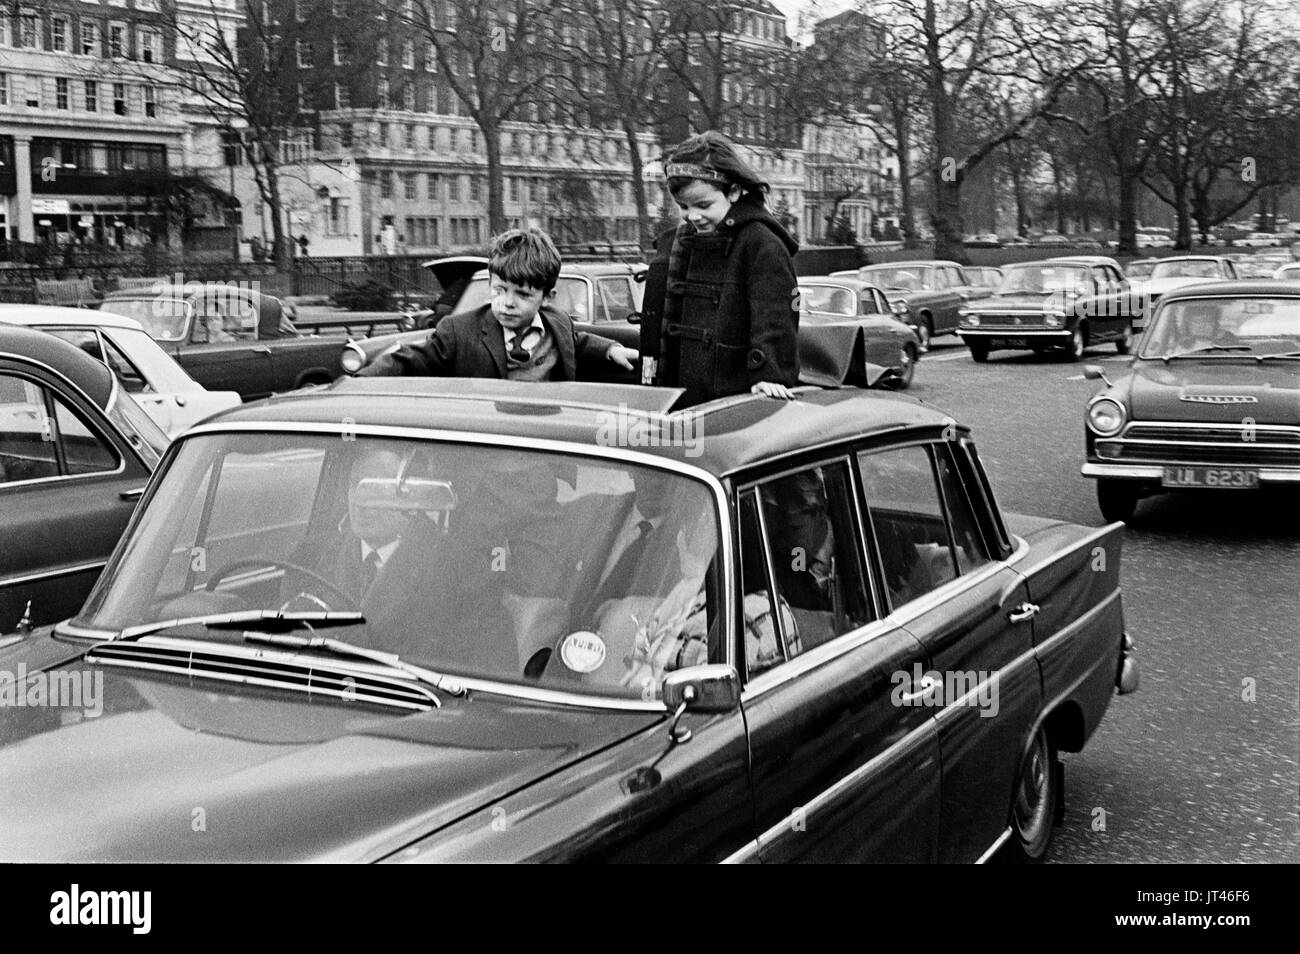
x,y
1258,240
585,639
1211,401
1289,272
931,291
1063,304
871,330
984,279
1179,270
1143,267
148,374
75,453
229,337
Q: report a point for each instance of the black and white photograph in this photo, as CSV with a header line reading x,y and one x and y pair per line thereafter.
x,y
651,431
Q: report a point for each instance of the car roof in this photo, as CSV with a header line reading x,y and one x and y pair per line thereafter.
x,y
1190,258
33,347
30,315
1082,260
1243,288
732,433
847,281
185,291
915,261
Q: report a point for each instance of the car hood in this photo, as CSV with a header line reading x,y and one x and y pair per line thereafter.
x,y
1156,391
1016,302
1159,286
177,771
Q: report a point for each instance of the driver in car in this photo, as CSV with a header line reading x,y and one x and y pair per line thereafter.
x,y
1200,328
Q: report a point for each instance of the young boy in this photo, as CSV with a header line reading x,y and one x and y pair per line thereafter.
x,y
519,335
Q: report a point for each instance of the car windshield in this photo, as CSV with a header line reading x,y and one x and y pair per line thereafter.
x,y
894,277
570,296
1185,269
1039,279
828,299
569,572
163,317
1140,269
1228,326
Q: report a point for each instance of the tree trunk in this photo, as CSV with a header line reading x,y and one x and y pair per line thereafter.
x,y
496,198
1127,182
1183,240
948,232
644,229
906,212
281,250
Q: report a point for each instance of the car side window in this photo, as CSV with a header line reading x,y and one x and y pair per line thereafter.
x,y
132,380
84,450
968,543
27,449
808,523
956,278
616,294
83,338
907,518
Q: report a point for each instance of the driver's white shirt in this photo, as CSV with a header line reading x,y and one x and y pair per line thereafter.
x,y
384,552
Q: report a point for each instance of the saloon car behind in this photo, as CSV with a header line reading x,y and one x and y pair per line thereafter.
x,y
1210,402
583,640
75,453
845,322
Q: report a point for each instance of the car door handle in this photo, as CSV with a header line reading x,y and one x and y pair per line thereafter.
x,y
135,494
1024,611
262,349
928,684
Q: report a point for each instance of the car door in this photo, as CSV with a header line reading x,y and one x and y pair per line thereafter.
x,y
158,406
840,770
951,293
981,677
66,492
883,335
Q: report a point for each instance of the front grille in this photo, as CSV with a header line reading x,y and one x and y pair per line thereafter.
x,y
1027,320
293,672
1219,445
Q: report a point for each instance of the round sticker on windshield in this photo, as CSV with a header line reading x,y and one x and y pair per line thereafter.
x,y
583,651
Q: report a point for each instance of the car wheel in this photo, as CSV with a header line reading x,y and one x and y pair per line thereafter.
x,y
906,367
1125,343
925,331
1117,499
1033,810
1078,344
979,351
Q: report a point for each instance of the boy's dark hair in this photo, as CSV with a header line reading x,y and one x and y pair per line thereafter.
x,y
714,155
525,257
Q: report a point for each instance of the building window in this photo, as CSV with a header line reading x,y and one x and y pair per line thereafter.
x,y
29,31
475,188
337,48
150,101
231,152
342,96
408,139
408,97
150,46
119,99
514,188
381,96
33,98
4,41
61,93
408,54
306,54
381,51
453,188
4,89
59,34
345,135
432,186
430,59
340,215
117,40
409,186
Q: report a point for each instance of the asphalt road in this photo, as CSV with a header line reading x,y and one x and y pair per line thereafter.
x,y
1201,764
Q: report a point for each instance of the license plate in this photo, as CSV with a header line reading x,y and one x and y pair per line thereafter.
x,y
1017,342
1231,478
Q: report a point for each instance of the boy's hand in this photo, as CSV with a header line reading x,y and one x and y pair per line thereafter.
x,y
772,389
624,357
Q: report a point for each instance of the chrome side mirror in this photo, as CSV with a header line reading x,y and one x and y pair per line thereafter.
x,y
712,688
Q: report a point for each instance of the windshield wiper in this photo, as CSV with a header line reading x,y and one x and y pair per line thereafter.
x,y
1205,350
228,620
1280,354
437,680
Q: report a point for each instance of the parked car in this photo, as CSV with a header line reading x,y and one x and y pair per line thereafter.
x,y
901,696
1052,238
984,279
147,373
1140,268
1211,401
1154,237
75,453
1289,272
846,321
229,337
1258,240
1179,270
930,290
983,240
1065,304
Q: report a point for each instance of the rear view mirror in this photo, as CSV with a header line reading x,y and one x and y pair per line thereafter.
x,y
411,493
1092,372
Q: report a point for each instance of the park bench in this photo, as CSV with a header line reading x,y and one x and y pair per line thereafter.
x,y
75,292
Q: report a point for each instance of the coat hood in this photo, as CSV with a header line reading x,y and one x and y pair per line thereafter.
x,y
747,209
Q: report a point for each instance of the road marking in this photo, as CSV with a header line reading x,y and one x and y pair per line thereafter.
x,y
931,356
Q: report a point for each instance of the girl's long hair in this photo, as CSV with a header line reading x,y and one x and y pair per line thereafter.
x,y
712,148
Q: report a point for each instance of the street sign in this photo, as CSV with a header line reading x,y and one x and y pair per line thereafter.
x,y
50,207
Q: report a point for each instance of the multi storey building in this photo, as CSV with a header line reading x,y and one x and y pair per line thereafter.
x,y
90,126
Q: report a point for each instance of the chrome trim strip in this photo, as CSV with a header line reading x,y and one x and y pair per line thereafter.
x,y
1162,442
1068,630
1012,333
817,656
1204,425
1272,475
902,747
743,854
992,849
46,574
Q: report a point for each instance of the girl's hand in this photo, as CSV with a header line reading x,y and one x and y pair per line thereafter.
x,y
624,357
772,389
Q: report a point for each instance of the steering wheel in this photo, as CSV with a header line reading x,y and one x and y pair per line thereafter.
x,y
230,568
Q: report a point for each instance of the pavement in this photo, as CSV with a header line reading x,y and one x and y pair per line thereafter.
x,y
1200,764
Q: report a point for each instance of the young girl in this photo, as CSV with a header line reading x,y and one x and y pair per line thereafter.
x,y
728,323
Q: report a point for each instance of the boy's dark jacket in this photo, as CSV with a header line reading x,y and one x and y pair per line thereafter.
x,y
471,345
719,311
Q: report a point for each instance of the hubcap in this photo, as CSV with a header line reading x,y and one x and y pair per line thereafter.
x,y
1031,800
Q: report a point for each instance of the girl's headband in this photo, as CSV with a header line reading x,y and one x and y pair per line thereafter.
x,y
695,170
